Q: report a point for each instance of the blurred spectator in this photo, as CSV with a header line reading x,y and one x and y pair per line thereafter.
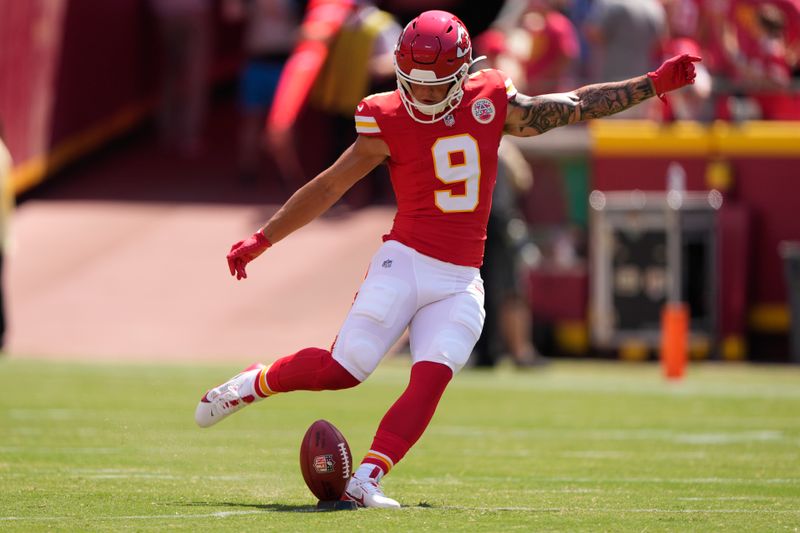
x,y
545,43
6,207
772,63
695,102
507,328
321,22
346,53
185,31
683,28
716,25
577,11
683,18
492,44
627,37
270,28
508,16
360,58
757,47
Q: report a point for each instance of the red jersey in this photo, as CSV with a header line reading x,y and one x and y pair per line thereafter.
x,y
443,174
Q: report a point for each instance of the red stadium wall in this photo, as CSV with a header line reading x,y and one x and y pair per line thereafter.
x,y
30,42
106,64
756,167
76,73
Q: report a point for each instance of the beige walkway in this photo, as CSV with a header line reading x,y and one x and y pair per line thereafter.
x,y
120,281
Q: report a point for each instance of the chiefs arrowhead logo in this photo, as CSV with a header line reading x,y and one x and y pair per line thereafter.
x,y
462,44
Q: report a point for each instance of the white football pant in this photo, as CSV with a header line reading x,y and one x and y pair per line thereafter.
x,y
441,304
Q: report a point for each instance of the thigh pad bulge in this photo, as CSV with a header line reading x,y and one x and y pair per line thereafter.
x,y
378,299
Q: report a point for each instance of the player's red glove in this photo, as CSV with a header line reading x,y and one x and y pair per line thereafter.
x,y
673,74
245,251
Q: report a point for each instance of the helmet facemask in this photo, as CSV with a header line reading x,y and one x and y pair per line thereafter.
x,y
432,112
434,49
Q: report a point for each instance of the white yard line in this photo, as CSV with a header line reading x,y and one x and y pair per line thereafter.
x,y
219,514
227,514
56,449
725,498
615,510
614,434
688,480
649,387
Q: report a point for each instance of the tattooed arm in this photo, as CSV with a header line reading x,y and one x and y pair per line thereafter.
x,y
534,115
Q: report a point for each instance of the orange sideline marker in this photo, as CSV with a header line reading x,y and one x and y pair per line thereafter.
x,y
674,339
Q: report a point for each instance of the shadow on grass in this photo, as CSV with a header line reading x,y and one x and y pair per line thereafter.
x,y
282,507
268,507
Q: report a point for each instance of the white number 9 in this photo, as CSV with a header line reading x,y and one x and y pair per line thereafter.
x,y
456,159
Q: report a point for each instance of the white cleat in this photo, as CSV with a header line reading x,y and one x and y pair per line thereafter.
x,y
226,399
368,493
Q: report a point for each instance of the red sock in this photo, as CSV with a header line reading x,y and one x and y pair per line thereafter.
x,y
407,419
308,369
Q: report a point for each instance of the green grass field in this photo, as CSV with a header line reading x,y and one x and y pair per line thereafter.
x,y
579,446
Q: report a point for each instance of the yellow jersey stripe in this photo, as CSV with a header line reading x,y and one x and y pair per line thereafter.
x,y
367,129
510,89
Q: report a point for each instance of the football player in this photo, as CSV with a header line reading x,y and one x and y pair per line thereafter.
x,y
438,133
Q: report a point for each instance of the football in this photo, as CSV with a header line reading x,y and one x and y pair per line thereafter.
x,y
326,461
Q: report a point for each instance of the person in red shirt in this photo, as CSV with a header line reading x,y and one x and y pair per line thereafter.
x,y
764,66
552,49
754,45
438,133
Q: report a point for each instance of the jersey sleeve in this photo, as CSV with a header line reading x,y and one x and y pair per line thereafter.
x,y
366,121
511,90
497,79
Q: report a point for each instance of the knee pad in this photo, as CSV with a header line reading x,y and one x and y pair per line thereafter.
x,y
452,348
359,352
453,344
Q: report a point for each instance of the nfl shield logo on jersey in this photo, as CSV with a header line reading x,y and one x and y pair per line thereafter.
x,y
483,110
449,121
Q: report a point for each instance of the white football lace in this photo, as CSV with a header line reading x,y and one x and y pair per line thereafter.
x,y
345,460
223,402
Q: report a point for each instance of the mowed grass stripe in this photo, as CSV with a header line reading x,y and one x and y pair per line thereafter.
x,y
579,446
408,509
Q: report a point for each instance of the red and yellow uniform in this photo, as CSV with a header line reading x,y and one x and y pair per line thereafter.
x,y
443,174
